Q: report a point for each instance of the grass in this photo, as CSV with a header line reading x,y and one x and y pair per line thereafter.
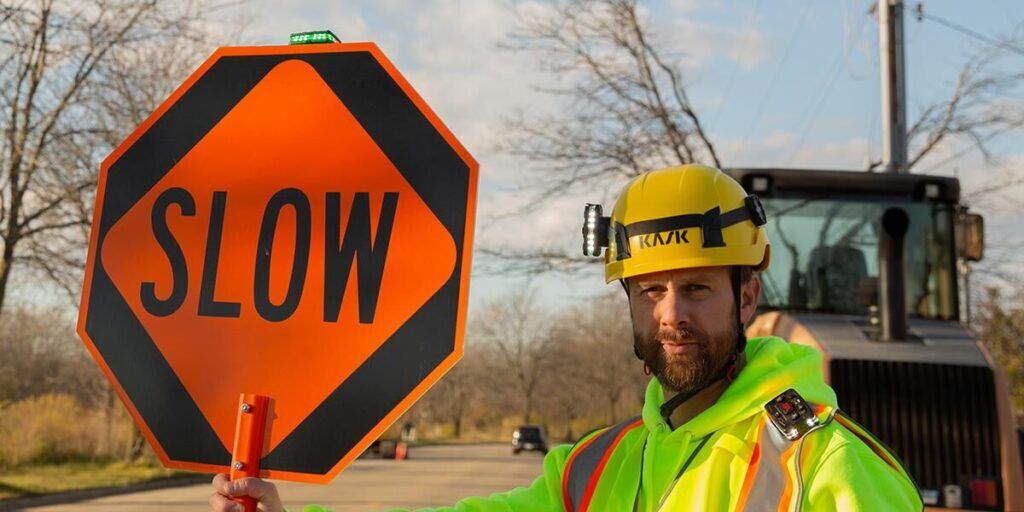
x,y
73,476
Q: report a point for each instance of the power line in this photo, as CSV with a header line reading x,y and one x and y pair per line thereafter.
x,y
778,72
736,64
848,37
968,32
827,91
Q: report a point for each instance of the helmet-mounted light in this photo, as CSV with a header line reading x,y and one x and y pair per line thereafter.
x,y
595,230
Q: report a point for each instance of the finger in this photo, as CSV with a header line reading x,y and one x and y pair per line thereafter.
x,y
249,486
220,503
220,483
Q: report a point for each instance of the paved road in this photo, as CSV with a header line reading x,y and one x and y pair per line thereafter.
x,y
434,476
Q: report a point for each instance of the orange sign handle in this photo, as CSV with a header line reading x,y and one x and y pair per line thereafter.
x,y
249,436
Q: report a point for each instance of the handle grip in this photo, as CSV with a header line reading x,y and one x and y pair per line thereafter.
x,y
248,503
249,438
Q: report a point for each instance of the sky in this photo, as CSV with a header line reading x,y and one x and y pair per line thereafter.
x,y
777,83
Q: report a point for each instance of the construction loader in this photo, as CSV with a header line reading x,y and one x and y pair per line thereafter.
x,y
870,269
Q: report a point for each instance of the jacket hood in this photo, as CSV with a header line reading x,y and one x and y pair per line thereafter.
x,y
772,366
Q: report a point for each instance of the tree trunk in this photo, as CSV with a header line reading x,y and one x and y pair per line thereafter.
x,y
457,426
6,262
568,426
108,437
138,446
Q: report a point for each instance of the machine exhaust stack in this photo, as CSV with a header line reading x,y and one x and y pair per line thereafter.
x,y
892,297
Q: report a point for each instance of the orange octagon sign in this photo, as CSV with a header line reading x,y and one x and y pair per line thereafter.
x,y
292,222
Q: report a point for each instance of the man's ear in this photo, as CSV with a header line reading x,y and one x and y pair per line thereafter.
x,y
750,295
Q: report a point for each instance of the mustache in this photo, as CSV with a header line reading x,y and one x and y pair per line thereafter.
x,y
681,335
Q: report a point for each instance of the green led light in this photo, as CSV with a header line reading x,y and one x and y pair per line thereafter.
x,y
314,37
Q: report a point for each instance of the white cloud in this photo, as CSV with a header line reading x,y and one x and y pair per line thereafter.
x,y
785,149
776,140
272,22
447,49
850,154
701,43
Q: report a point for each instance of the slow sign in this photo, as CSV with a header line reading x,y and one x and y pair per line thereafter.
x,y
292,222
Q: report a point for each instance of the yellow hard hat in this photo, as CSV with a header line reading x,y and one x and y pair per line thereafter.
x,y
679,217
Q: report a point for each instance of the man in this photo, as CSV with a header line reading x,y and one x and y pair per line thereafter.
x,y
727,424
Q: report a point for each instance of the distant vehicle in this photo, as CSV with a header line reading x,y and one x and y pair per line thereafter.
x,y
529,437
388,449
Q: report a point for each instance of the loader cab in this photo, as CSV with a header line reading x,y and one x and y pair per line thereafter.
x,y
824,227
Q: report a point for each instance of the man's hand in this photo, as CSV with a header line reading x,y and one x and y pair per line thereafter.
x,y
224,489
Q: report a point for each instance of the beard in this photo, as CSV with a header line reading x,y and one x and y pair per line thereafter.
x,y
690,371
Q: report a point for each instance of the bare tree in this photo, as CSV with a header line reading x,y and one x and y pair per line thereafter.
x,y
626,105
980,108
451,399
529,261
42,356
597,377
612,371
517,328
573,367
566,394
69,91
1000,325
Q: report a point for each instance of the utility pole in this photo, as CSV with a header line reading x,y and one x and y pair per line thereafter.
x,y
894,90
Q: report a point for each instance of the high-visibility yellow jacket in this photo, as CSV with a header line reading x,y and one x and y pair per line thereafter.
x,y
711,462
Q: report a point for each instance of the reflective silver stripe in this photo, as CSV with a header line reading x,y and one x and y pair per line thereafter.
x,y
584,464
770,480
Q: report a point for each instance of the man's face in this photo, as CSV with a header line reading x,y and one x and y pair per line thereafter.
x,y
684,323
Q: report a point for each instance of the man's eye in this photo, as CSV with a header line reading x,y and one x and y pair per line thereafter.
x,y
696,288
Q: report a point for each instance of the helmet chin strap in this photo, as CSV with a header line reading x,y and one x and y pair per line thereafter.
x,y
741,330
727,371
629,303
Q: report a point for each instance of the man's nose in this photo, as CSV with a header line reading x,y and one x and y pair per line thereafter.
x,y
672,311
